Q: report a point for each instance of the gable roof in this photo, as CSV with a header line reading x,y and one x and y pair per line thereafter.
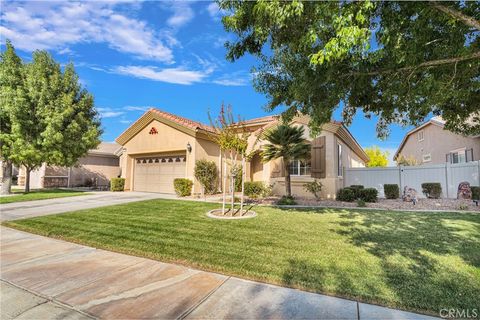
x,y
105,148
185,125
437,121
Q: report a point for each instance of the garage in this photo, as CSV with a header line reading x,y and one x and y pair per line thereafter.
x,y
156,173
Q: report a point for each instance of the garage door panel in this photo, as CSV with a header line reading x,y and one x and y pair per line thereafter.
x,y
156,174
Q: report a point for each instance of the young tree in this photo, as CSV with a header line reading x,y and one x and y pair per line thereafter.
x,y
11,95
377,157
397,60
406,161
56,121
285,142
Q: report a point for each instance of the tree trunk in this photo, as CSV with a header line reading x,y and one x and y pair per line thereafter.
x,y
232,184
7,168
224,187
243,185
288,188
27,180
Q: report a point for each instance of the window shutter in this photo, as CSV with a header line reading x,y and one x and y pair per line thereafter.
x,y
318,160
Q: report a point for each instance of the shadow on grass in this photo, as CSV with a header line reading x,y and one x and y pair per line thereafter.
x,y
429,261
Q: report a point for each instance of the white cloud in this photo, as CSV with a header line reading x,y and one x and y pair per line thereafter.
x,y
239,78
55,25
170,75
214,11
125,121
182,14
136,108
107,112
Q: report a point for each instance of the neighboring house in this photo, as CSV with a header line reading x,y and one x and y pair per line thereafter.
x,y
160,147
94,170
429,143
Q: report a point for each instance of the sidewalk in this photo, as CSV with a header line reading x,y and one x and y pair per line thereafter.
x,y
104,284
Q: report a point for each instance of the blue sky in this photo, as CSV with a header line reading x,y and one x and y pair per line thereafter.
x,y
133,55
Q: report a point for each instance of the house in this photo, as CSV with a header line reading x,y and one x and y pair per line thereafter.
x,y
429,143
94,170
160,147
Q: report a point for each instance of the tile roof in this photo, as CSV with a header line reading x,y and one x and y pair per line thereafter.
x,y
107,148
194,125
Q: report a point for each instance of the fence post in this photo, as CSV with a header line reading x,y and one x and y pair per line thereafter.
x,y
400,178
447,170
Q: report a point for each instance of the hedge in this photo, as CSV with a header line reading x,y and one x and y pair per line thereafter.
x,y
346,194
432,190
475,192
254,189
206,173
117,184
183,187
392,191
350,194
369,194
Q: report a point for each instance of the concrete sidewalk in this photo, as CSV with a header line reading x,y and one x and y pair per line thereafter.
x,y
29,209
109,285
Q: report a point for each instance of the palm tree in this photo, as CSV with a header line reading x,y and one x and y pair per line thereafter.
x,y
286,142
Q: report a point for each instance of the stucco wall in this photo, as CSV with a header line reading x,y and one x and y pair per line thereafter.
x,y
438,142
95,168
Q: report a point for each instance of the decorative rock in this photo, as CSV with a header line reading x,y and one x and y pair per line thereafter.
x,y
409,194
464,191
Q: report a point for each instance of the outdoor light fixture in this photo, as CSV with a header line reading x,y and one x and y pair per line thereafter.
x,y
189,147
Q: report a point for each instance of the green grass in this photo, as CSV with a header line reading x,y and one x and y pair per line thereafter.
x,y
40,194
415,261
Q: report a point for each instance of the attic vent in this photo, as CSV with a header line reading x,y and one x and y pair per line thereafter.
x,y
153,130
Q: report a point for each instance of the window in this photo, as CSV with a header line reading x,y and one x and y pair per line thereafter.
x,y
339,161
420,135
458,156
299,168
427,157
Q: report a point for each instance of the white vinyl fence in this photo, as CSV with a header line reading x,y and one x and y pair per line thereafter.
x,y
449,176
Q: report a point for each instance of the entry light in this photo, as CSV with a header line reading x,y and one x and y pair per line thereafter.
x,y
189,147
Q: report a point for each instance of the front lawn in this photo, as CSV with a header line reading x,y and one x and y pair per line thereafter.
x,y
40,194
415,261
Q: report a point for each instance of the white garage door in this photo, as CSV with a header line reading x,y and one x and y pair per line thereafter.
x,y
156,174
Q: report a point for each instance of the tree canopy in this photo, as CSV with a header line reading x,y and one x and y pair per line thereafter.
x,y
47,117
400,61
378,158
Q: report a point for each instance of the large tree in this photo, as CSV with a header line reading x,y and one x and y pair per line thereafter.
x,y
11,95
401,61
56,121
377,157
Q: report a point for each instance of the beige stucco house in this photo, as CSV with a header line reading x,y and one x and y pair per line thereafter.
x,y
429,143
94,170
160,147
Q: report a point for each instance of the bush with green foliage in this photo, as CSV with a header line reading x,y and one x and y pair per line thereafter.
x,y
368,195
183,187
254,189
392,191
206,173
357,190
346,194
238,172
361,203
286,201
432,190
117,184
314,187
475,192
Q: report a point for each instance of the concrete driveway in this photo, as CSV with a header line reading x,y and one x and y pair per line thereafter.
x,y
108,285
28,209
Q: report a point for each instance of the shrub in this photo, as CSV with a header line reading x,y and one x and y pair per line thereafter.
x,y
432,189
475,193
357,188
117,184
207,174
286,201
254,189
369,195
314,187
183,187
346,194
361,203
238,173
392,191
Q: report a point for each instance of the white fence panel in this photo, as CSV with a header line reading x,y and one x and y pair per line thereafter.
x,y
461,172
414,176
448,175
372,177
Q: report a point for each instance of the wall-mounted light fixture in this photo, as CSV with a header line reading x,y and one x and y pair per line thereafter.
x,y
189,147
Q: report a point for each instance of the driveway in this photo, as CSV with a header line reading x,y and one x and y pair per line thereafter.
x,y
109,285
28,209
